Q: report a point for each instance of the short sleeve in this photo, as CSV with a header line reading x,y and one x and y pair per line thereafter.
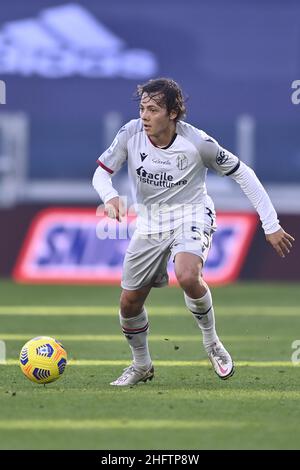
x,y
113,158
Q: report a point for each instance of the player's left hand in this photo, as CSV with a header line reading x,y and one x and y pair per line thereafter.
x,y
281,241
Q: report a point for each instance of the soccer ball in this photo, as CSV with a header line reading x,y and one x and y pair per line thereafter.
x,y
43,359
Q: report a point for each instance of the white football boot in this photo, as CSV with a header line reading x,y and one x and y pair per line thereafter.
x,y
132,376
221,361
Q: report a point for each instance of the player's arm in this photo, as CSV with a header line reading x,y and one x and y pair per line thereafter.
x,y
256,193
109,164
113,205
225,163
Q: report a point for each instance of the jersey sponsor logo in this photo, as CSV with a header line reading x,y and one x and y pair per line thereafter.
x,y
68,40
62,246
162,180
158,161
182,162
222,157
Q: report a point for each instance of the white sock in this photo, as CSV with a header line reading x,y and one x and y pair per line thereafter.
x,y
203,312
135,330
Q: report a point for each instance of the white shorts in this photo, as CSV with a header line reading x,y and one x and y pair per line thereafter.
x,y
146,259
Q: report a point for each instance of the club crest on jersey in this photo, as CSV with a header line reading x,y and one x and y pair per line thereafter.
x,y
222,157
182,162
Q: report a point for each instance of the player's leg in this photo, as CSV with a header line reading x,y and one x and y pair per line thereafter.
x,y
144,267
198,300
135,327
190,253
197,294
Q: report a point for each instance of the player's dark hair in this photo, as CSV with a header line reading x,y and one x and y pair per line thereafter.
x,y
166,92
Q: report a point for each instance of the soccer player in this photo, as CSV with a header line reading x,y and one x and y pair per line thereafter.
x,y
167,165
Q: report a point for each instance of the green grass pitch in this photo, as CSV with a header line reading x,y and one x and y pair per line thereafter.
x,y
186,406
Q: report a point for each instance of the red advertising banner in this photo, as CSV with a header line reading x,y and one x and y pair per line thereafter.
x,y
77,246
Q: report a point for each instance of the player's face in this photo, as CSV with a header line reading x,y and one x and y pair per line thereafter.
x,y
155,117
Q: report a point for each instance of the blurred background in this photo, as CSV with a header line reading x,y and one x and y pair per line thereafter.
x,y
70,70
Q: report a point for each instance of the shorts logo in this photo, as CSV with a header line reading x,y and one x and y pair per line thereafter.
x,y
222,157
182,162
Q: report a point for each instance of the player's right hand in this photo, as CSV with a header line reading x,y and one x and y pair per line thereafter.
x,y
114,208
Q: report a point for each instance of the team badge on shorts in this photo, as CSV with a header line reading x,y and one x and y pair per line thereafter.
x,y
182,162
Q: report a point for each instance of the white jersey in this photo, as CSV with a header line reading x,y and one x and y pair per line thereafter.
x,y
167,183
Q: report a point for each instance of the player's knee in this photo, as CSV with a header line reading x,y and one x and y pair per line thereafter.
x,y
187,278
192,284
130,305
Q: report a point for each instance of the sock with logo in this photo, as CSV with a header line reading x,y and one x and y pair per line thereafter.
x,y
203,312
136,330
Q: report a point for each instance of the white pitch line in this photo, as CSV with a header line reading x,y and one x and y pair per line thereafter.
x,y
239,310
121,423
161,363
